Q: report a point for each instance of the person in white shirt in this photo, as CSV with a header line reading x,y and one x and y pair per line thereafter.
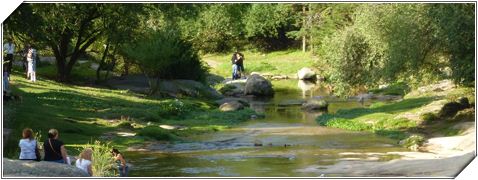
x,y
9,49
31,59
28,145
85,162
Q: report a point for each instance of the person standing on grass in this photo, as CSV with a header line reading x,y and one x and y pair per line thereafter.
x,y
54,148
240,64
120,162
85,161
31,59
28,146
9,49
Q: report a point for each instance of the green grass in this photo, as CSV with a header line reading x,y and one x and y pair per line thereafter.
x,y
400,88
382,118
278,62
83,114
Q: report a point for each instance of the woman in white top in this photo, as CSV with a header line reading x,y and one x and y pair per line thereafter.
x,y
84,162
27,145
31,56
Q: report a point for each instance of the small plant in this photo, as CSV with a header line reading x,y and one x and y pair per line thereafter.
x,y
429,117
413,142
102,161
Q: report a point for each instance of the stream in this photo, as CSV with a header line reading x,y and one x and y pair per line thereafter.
x,y
283,144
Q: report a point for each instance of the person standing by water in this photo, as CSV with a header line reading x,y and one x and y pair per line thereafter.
x,y
31,59
120,162
28,146
54,148
9,49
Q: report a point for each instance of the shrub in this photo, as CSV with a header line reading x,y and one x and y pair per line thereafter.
x,y
413,142
163,54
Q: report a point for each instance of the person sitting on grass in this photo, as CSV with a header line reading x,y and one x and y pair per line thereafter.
x,y
120,162
54,148
28,146
85,161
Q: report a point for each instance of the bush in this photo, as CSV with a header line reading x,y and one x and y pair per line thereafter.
x,y
163,54
413,142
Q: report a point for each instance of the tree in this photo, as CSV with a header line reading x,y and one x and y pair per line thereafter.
x,y
68,29
163,54
268,24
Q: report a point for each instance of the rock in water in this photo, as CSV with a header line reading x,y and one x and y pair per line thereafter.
x,y
18,168
306,73
231,106
258,86
315,104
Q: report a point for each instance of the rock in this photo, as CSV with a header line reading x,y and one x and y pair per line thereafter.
x,y
17,168
464,102
170,127
306,73
188,88
139,84
465,115
258,86
315,104
231,106
279,77
229,99
255,73
451,108
291,102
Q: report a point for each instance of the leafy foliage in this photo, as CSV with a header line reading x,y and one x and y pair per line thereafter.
x,y
163,54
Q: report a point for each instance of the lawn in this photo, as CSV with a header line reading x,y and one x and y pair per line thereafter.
x,y
83,114
277,63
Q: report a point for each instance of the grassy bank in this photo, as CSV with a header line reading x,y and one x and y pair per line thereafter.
x,y
419,113
278,62
83,114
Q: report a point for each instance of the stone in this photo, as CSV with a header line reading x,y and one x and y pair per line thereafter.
x,y
291,102
17,168
450,109
464,102
258,86
243,101
315,104
231,106
306,73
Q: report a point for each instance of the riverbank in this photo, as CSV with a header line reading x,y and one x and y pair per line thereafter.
x,y
441,157
84,114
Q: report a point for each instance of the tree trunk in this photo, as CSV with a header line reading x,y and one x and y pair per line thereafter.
x,y
303,27
113,62
102,62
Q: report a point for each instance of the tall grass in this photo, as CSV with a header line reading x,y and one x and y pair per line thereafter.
x,y
102,160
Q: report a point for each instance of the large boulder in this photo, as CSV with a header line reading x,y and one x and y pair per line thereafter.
x,y
188,88
231,106
306,73
258,86
18,168
451,108
243,101
315,105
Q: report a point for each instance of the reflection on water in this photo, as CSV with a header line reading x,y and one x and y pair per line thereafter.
x,y
282,144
